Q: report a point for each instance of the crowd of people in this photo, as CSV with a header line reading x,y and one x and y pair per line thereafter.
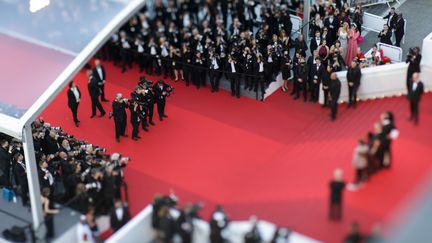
x,y
71,172
171,222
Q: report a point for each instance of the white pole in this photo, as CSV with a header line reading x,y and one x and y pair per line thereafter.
x,y
306,19
33,183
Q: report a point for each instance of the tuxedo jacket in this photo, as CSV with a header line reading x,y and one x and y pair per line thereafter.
x,y
117,223
317,73
354,75
72,102
415,95
391,22
399,26
93,87
96,73
314,44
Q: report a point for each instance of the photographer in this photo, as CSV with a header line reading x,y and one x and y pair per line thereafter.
x,y
134,119
119,106
161,91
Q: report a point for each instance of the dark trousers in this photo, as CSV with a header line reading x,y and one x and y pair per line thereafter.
x,y
214,76
187,75
335,210
74,110
126,56
235,84
144,123
326,97
361,175
398,40
161,108
102,88
248,81
414,110
135,126
96,104
333,106
352,95
301,86
120,127
166,68
150,112
49,222
315,91
259,86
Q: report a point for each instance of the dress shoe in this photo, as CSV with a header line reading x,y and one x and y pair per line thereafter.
x,y
161,118
145,129
92,116
76,124
125,135
165,116
105,100
135,139
138,137
103,114
152,123
117,140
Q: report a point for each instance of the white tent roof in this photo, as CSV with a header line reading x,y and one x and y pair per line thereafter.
x,y
43,44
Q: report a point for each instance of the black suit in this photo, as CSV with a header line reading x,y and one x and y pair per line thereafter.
x,y
400,31
385,37
335,89
333,28
301,80
314,43
316,74
120,117
102,79
161,92
117,223
391,20
326,87
413,67
5,164
94,91
21,177
353,78
234,78
415,97
73,103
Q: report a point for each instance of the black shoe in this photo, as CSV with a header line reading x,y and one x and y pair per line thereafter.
x,y
125,135
152,123
145,129
105,100
102,115
92,116
135,139
138,137
117,140
76,124
161,118
165,116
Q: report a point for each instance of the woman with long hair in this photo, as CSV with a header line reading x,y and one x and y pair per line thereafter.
x,y
351,51
343,36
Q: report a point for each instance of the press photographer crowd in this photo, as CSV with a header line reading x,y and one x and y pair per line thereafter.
x,y
71,172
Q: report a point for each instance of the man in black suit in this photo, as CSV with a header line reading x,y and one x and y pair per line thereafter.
x,y
233,69
5,163
391,18
161,91
315,42
353,78
399,29
21,177
301,79
119,215
99,72
74,98
416,93
326,85
93,87
316,75
119,106
335,89
413,60
215,66
332,25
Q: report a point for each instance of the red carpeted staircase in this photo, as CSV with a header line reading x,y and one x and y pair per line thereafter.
x,y
271,159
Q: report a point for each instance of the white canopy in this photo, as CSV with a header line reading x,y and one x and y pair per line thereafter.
x,y
43,44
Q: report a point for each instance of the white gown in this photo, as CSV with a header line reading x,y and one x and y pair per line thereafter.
x,y
343,38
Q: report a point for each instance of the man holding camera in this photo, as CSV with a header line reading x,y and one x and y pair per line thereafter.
x,y
94,90
161,91
119,106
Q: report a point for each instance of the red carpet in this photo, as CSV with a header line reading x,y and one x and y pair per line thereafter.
x,y
272,159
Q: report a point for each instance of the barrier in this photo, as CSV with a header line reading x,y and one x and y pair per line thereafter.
x,y
297,23
376,82
427,51
392,52
373,22
365,3
139,230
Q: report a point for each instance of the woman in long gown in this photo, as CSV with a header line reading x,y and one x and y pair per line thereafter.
x,y
343,37
351,52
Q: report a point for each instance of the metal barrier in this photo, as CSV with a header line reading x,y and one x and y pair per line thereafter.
x,y
365,3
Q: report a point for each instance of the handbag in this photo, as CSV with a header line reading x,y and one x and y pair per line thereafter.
x,y
360,39
8,194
